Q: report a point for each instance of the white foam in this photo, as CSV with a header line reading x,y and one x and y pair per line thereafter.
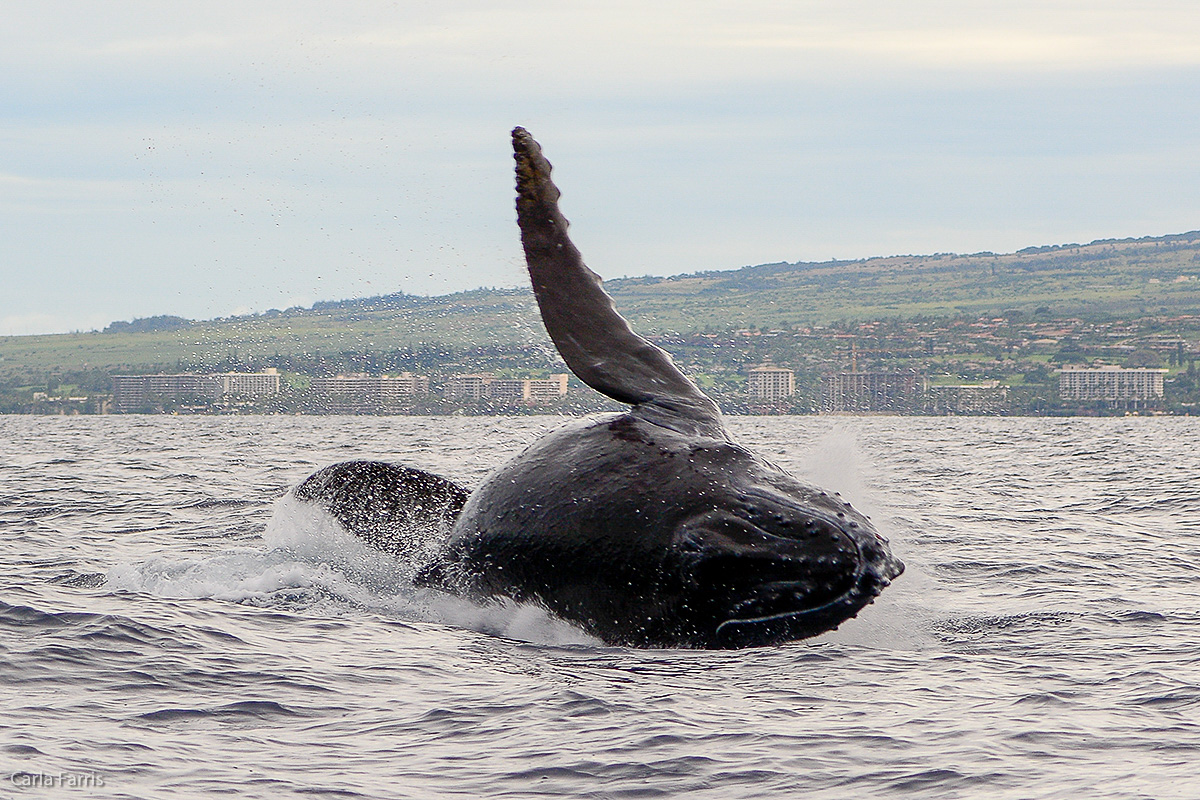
x,y
837,461
308,560
519,621
899,619
307,533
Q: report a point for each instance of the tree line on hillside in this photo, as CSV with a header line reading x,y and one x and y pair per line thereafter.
x,y
1107,278
1017,349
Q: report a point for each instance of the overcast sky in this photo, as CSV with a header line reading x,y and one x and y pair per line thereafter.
x,y
207,159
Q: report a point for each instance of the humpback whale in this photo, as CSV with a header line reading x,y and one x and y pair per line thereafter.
x,y
647,528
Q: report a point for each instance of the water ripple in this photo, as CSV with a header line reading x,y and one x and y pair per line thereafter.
x,y
159,633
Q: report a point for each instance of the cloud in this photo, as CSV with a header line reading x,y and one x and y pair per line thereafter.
x,y
537,46
192,158
953,48
31,324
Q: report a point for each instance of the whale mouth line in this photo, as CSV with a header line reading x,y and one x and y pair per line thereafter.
x,y
853,590
798,614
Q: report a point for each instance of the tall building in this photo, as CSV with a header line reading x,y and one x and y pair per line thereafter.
x,y
1115,385
132,392
368,394
528,391
546,390
770,384
988,397
468,388
506,390
250,384
864,392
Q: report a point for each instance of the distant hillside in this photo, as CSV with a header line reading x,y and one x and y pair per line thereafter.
x,y
1104,279
147,324
1111,278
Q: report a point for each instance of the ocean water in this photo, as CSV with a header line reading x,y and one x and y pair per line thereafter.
x,y
172,626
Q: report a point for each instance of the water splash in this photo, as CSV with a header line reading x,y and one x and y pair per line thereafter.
x,y
307,563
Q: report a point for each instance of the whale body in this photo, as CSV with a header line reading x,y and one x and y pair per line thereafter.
x,y
649,528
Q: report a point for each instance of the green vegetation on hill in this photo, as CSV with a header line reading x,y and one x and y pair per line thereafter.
x,y
1106,279
477,318
1103,280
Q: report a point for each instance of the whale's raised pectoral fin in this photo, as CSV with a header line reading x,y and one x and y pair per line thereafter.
x,y
398,509
595,341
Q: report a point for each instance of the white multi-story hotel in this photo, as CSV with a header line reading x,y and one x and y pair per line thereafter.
x,y
468,387
1112,384
131,392
530,391
871,392
769,383
988,397
545,390
249,384
368,394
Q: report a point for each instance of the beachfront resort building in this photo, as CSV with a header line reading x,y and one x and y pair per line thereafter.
x,y
138,392
770,384
528,391
468,388
506,391
986,397
1133,386
368,394
544,390
871,392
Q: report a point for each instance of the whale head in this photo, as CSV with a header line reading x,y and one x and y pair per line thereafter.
x,y
776,561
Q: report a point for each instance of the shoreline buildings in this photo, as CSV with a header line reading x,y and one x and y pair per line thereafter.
x,y
867,392
468,388
367,394
478,387
770,384
1129,386
132,392
768,388
985,398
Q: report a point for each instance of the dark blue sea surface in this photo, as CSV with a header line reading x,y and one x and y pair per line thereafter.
x,y
171,627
